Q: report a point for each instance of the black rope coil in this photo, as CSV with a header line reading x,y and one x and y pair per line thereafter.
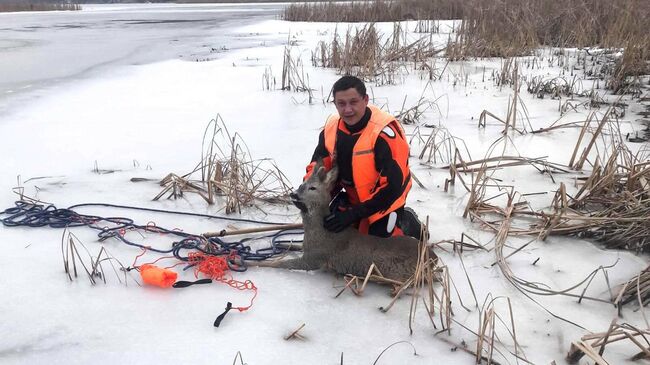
x,y
27,214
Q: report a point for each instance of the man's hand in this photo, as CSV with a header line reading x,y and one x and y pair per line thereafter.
x,y
340,220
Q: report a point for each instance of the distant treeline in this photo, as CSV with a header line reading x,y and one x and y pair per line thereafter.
x,y
43,5
169,1
248,1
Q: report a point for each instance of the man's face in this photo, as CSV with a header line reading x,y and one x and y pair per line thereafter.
x,y
350,105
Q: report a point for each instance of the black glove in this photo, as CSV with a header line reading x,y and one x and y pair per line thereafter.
x,y
340,202
341,219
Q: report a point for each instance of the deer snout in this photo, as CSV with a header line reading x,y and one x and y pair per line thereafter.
x,y
295,199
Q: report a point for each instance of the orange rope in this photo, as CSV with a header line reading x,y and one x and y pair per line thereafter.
x,y
144,250
215,268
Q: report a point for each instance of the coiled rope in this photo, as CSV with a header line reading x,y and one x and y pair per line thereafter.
x,y
27,214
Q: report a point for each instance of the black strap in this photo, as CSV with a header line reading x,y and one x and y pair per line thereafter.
x,y
185,284
217,321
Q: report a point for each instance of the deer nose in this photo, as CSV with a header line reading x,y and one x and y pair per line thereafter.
x,y
294,196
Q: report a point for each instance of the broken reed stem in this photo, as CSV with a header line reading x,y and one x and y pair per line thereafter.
x,y
585,153
582,133
390,346
588,344
469,281
295,334
418,278
407,284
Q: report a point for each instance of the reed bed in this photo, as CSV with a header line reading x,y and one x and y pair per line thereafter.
x,y
228,171
612,204
499,208
502,27
555,87
294,77
16,6
505,28
366,53
374,11
495,328
427,26
629,69
517,210
510,28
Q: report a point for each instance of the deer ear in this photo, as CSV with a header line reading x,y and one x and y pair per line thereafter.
x,y
319,164
321,173
332,175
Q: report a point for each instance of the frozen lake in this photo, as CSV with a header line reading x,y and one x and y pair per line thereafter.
x,y
93,99
39,49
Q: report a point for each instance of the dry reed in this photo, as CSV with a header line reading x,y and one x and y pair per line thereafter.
x,y
294,77
366,53
227,170
374,11
637,289
593,344
612,203
508,28
441,146
93,267
503,27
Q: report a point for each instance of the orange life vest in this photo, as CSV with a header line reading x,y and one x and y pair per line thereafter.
x,y
367,180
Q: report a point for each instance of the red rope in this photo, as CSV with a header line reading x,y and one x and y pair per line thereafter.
x,y
144,250
215,267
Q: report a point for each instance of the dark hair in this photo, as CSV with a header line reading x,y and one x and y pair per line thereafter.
x,y
348,82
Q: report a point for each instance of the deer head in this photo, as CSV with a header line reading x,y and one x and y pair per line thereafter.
x,y
314,194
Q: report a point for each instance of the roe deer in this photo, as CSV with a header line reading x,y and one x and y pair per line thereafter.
x,y
347,252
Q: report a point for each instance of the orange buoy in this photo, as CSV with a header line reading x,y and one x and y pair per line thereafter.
x,y
153,275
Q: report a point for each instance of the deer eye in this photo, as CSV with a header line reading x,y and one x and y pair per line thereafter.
x,y
312,188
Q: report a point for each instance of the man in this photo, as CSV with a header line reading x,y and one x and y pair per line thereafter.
x,y
370,149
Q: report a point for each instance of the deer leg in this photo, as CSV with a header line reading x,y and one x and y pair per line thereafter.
x,y
298,263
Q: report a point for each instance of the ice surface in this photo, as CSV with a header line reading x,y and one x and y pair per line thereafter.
x,y
146,119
